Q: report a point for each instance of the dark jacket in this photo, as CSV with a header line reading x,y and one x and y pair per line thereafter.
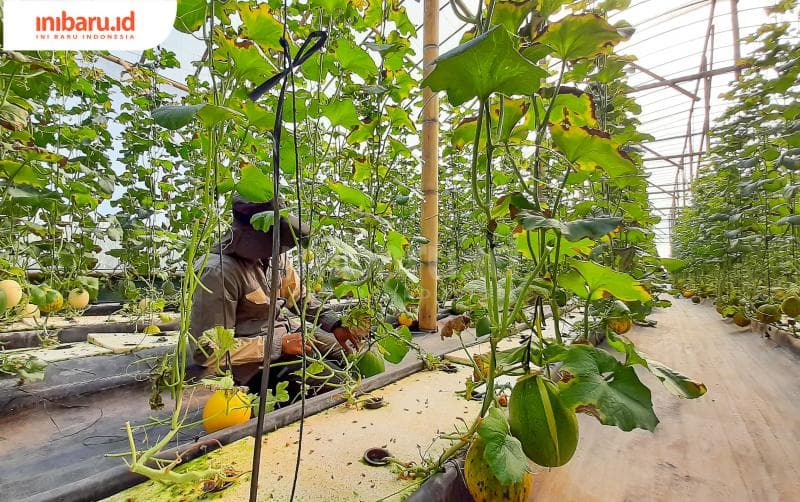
x,y
241,301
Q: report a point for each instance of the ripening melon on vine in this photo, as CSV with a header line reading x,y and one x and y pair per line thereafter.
x,y
741,319
619,325
534,402
768,313
53,301
78,298
12,293
791,306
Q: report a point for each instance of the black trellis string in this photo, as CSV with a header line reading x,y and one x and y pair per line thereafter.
x,y
314,43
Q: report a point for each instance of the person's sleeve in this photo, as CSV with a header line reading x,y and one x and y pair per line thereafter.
x,y
251,350
214,304
291,289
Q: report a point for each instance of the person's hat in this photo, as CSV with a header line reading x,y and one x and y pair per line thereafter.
x,y
253,244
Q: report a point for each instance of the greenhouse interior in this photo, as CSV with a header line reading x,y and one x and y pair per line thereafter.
x,y
387,250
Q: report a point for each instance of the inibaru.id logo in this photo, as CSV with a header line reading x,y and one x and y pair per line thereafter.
x,y
86,24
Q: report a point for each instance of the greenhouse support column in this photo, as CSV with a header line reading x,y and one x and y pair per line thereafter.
x,y
428,307
735,30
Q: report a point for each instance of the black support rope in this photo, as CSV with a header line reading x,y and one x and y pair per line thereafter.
x,y
314,43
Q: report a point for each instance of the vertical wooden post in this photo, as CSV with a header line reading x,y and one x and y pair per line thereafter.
x,y
735,30
428,307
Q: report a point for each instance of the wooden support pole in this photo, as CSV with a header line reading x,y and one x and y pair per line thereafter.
x,y
737,54
428,306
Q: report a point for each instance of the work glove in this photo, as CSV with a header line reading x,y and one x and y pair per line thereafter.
x,y
348,337
292,344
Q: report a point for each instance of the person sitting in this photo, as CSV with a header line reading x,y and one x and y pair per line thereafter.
x,y
235,294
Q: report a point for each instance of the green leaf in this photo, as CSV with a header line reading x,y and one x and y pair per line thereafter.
x,y
350,195
261,26
13,117
573,106
503,452
511,13
676,383
673,265
394,345
175,117
590,148
254,185
572,230
513,111
580,36
212,115
191,15
486,64
593,228
400,119
397,292
263,221
22,174
396,244
341,112
602,280
622,344
594,382
355,59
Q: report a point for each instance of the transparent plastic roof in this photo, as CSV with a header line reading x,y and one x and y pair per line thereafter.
x,y
669,43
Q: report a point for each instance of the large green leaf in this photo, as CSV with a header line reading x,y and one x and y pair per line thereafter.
x,y
672,265
600,281
594,382
177,116
13,117
355,59
190,15
678,384
503,452
573,230
590,148
22,174
397,292
395,344
572,106
350,195
580,36
593,228
486,64
341,112
254,185
261,26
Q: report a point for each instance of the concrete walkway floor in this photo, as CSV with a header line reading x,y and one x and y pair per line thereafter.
x,y
739,442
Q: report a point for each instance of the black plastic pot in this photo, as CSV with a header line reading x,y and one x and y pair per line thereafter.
x,y
448,486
